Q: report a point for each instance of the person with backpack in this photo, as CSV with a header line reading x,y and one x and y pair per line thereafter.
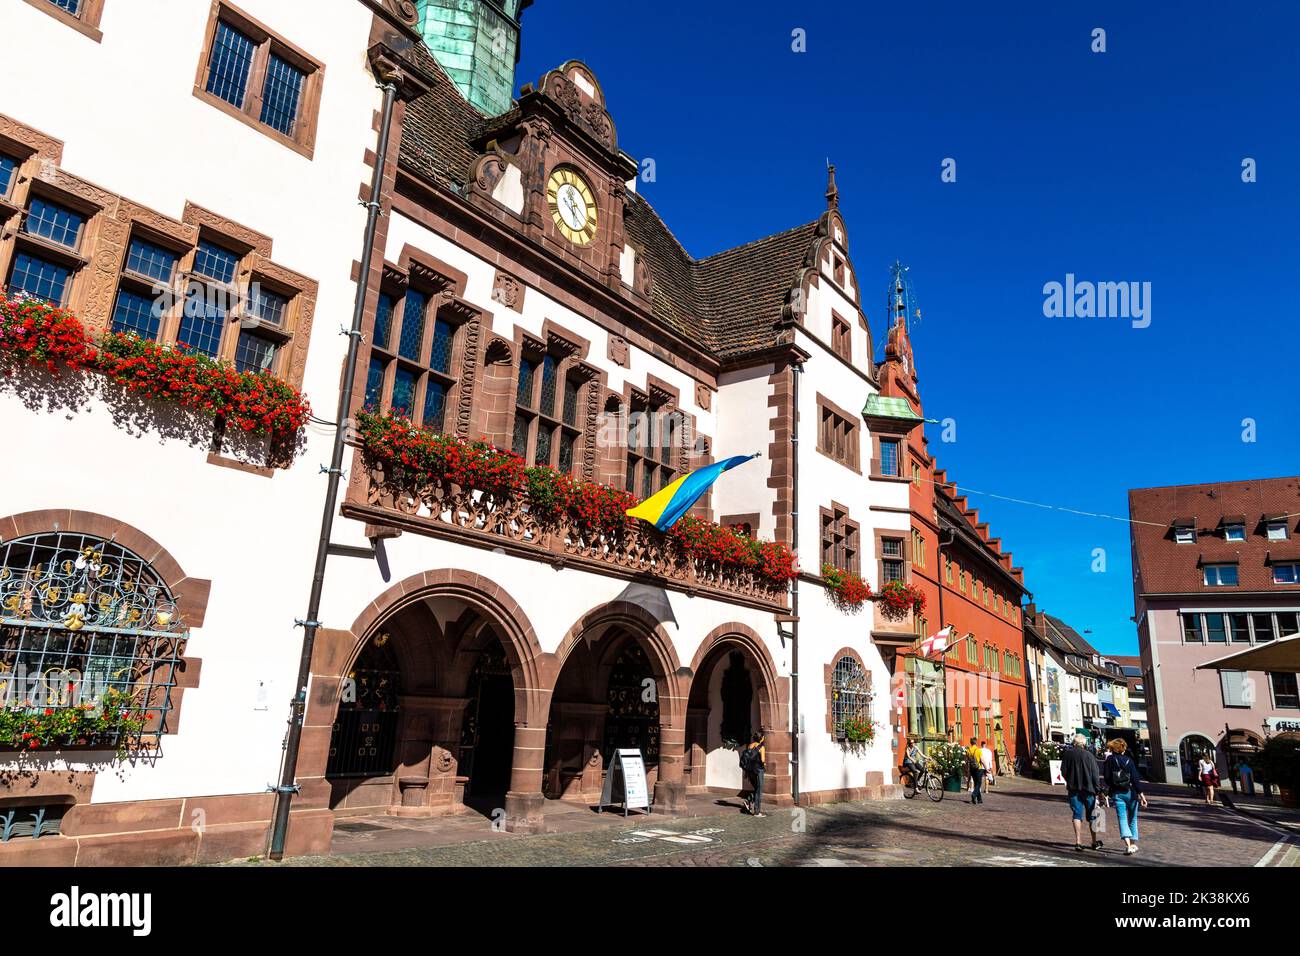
x,y
975,762
1082,781
753,761
1125,786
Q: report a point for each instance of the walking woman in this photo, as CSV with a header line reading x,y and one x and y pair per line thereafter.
x,y
1125,786
1208,775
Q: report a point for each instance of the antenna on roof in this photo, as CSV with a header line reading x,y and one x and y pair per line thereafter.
x,y
900,300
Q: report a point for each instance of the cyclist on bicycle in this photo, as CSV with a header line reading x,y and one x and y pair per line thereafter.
x,y
914,761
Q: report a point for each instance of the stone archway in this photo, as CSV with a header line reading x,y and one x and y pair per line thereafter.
x,y
617,683
437,627
731,660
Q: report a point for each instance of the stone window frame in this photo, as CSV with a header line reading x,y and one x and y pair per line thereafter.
x,y
440,285
841,337
267,41
746,523
904,556
842,440
85,20
919,549
570,351
90,202
659,400
254,266
828,671
840,533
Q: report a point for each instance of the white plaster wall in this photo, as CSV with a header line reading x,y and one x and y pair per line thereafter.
x,y
744,427
144,135
824,629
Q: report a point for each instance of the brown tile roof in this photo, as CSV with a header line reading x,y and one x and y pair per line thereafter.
x,y
1165,567
729,302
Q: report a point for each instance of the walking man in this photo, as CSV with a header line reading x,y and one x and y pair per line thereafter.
x,y
1082,781
986,760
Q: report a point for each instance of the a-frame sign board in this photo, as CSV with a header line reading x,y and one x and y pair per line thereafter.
x,y
630,790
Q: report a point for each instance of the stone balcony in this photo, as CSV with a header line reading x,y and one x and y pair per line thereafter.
x,y
483,521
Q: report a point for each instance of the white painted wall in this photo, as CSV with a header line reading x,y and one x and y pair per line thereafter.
x,y
126,111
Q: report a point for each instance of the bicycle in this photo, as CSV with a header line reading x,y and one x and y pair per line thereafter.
x,y
927,780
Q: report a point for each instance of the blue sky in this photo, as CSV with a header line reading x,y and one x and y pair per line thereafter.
x,y
1116,166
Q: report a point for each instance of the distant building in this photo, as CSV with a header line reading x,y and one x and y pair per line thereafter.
x,y
1137,698
1216,569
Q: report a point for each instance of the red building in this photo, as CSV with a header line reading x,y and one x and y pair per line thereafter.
x,y
978,688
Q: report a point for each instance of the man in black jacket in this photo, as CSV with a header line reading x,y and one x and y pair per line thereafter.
x,y
1082,782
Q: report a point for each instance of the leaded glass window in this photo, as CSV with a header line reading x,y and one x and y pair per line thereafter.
x,y
267,306
546,413
56,223
136,313
281,94
375,384
151,261
419,343
850,695
412,334
39,278
255,353
71,6
216,262
203,320
86,624
8,165
404,392
384,319
653,442
230,64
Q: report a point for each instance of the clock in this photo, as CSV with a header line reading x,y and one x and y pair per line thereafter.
x,y
573,206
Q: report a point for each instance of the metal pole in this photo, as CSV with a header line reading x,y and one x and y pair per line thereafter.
x,y
287,787
796,369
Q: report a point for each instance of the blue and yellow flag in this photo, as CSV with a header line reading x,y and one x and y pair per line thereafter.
x,y
663,508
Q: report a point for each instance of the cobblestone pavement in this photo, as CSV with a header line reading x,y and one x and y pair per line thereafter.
x,y
1022,823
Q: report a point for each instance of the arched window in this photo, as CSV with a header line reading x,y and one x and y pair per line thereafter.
x,y
90,631
850,694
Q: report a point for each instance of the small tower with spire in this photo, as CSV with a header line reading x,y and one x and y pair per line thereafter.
x,y
900,308
832,191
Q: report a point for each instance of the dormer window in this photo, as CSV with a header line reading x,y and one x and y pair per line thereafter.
x,y
1276,530
1234,531
1220,575
1185,533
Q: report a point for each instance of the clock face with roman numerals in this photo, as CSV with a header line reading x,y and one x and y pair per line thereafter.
x,y
573,206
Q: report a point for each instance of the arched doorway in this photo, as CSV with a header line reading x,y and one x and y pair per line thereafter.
x,y
1190,750
734,693
426,714
609,695
488,735
722,712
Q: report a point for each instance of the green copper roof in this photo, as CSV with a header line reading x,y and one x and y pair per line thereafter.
x,y
477,43
882,406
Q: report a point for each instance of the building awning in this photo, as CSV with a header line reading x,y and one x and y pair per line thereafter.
x,y
1280,656
890,407
1241,741
1110,709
